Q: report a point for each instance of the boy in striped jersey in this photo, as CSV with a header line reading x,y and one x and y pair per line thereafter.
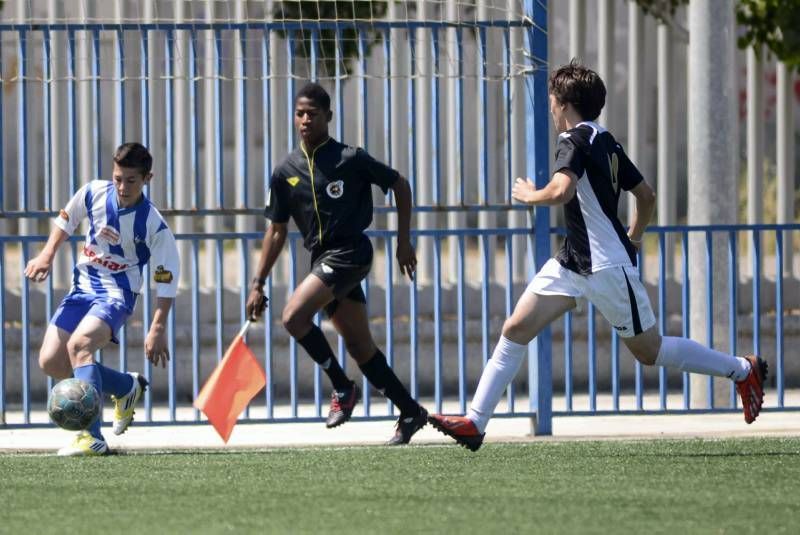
x,y
597,262
125,232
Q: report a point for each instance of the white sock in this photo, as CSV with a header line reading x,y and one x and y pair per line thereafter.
x,y
689,356
496,376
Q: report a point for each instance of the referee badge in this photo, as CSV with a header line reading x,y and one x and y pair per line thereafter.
x,y
335,189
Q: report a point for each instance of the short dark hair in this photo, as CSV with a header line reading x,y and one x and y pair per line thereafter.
x,y
580,86
134,156
316,94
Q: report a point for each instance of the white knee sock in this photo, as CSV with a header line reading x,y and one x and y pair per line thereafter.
x,y
496,376
689,356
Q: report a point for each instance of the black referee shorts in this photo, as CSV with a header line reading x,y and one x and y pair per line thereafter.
x,y
342,268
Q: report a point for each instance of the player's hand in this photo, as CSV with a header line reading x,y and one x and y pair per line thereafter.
x,y
38,268
155,346
407,258
256,303
523,190
637,244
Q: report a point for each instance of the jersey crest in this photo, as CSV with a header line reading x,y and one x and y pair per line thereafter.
x,y
293,180
335,189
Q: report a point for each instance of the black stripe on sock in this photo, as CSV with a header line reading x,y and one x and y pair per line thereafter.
x,y
637,324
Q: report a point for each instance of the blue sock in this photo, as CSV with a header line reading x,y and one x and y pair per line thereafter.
x,y
116,383
91,374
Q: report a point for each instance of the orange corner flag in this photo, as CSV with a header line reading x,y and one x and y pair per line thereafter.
x,y
235,381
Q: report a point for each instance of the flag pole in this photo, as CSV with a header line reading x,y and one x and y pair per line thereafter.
x,y
245,327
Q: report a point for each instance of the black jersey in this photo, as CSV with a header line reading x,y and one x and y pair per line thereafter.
x,y
596,239
327,192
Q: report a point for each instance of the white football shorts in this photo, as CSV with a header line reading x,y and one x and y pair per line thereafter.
x,y
617,293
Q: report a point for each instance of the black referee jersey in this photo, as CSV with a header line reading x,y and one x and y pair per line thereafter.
x,y
327,192
596,239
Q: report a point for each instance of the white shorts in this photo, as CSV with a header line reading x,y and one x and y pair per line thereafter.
x,y
617,293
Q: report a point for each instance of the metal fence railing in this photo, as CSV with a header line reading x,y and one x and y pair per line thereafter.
x,y
439,336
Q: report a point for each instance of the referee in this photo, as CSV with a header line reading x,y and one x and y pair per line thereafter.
x,y
325,186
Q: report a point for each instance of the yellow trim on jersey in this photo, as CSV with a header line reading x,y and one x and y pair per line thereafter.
x,y
310,163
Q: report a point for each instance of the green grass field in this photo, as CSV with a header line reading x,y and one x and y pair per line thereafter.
x,y
659,486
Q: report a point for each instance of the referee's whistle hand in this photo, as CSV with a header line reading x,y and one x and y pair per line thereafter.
x,y
407,259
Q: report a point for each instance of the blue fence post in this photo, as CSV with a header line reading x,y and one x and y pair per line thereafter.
x,y
536,118
22,126
2,334
195,323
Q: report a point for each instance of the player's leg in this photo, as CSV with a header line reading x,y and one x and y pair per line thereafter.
x,y
53,356
550,294
687,355
97,328
307,300
125,389
351,321
621,297
531,315
91,334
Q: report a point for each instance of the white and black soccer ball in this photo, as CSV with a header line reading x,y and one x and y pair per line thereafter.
x,y
73,404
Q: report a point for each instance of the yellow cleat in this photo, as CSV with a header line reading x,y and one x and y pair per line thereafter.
x,y
84,445
125,405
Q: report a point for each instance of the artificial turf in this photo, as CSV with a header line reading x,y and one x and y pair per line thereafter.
x,y
653,486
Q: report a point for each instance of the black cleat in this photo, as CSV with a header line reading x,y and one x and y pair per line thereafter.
x,y
342,404
407,426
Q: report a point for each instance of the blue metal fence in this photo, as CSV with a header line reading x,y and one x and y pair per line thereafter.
x,y
438,372
112,87
428,329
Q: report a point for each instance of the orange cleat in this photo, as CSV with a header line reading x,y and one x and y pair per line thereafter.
x,y
461,428
751,388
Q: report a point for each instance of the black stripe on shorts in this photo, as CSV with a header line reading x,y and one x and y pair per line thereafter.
x,y
637,324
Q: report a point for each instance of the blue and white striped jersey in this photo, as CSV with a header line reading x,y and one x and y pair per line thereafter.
x,y
119,242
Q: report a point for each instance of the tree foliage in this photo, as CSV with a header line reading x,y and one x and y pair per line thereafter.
x,y
774,24
310,12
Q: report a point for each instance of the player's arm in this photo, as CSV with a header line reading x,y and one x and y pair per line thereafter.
x,y
68,219
406,256
559,190
155,345
271,248
164,256
38,268
645,205
631,180
387,178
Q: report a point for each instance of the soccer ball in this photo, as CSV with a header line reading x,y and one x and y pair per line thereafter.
x,y
73,404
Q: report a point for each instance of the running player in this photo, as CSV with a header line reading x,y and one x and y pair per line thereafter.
x,y
596,262
325,186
